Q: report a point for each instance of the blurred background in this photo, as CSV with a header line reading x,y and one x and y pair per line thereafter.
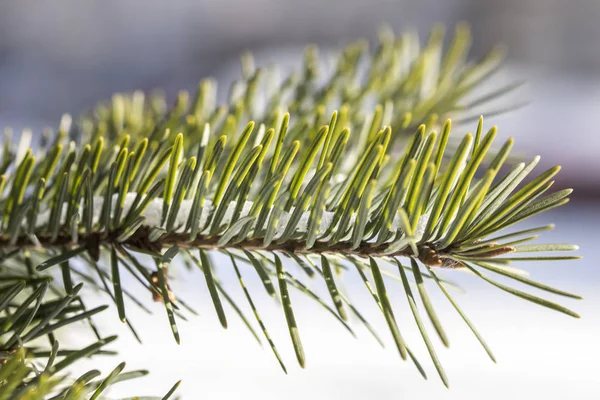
x,y
64,56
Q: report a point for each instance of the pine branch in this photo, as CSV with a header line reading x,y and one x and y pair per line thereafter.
x,y
305,168
28,314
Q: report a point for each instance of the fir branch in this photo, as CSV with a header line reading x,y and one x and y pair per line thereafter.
x,y
306,169
29,313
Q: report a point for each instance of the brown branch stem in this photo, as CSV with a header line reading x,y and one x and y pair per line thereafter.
x,y
140,240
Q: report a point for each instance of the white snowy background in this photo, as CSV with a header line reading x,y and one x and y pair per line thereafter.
x,y
540,353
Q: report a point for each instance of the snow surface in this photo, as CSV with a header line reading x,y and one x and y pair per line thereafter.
x,y
153,214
